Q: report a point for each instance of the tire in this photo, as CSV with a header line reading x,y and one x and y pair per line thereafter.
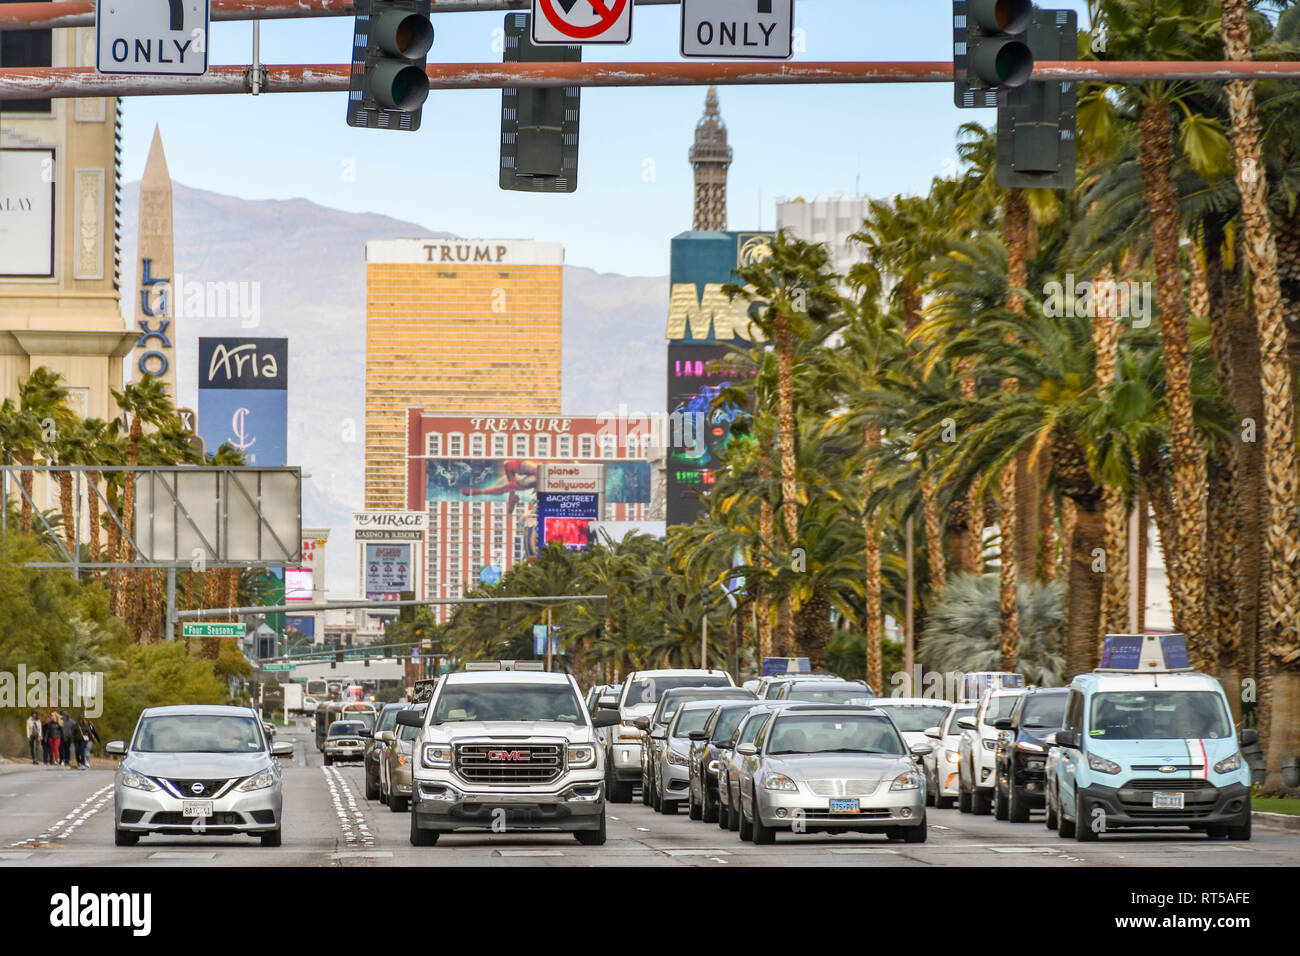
x,y
693,809
761,834
1242,830
733,819
930,793
746,828
999,803
398,804
592,837
1064,826
1017,812
944,803
1051,820
669,807
917,834
372,790
1083,831
620,791
422,837
708,809
329,761
647,795
124,838
981,804
963,795
272,838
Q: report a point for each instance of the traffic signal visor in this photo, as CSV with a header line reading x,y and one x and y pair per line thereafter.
x,y
398,82
997,57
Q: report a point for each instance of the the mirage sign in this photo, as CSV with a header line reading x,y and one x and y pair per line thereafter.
x,y
244,398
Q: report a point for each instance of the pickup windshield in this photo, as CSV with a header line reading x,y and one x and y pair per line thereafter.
x,y
523,702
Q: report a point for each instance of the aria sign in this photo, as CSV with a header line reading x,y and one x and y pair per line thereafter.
x,y
152,37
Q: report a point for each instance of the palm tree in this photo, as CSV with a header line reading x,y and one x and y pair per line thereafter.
x,y
41,415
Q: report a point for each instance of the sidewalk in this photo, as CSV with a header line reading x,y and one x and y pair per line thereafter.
x,y
14,765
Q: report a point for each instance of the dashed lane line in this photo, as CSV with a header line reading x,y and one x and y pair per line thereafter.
x,y
352,819
73,821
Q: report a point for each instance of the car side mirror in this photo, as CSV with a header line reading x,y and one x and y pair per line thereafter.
x,y
1050,739
661,734
747,750
410,718
641,723
921,749
1002,723
365,733
283,749
966,723
933,732
604,718
607,703
698,735
384,737
115,748
1249,737
1066,738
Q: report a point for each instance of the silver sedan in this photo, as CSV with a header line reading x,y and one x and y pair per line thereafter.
x,y
826,768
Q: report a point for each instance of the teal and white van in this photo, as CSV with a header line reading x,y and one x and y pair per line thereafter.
x,y
1148,742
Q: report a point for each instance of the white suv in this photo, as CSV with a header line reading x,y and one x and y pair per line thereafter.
x,y
506,751
977,751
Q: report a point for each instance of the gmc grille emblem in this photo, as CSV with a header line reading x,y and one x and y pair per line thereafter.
x,y
521,756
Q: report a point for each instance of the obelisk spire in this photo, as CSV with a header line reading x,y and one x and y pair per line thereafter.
x,y
155,351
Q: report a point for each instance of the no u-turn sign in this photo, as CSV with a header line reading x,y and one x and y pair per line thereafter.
x,y
152,37
571,22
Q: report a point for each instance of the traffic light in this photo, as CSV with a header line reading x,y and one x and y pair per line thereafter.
x,y
1036,141
406,614
390,47
989,52
539,127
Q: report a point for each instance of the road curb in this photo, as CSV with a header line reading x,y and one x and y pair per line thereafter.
x,y
1275,821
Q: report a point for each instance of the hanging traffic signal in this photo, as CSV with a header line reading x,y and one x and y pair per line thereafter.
x,y
539,126
1036,141
989,52
390,47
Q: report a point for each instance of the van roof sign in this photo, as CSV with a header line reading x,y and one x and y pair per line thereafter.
x,y
1143,653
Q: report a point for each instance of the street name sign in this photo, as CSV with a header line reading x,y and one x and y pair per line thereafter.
x,y
277,667
568,22
738,29
152,37
212,629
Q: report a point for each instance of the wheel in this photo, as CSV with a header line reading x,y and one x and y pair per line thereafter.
x,y
272,838
124,838
761,834
746,828
647,795
1065,826
733,819
693,809
620,791
981,804
999,803
944,803
1083,822
592,837
1242,830
669,807
329,761
372,789
708,809
422,837
398,804
1051,819
963,795
918,833
1017,812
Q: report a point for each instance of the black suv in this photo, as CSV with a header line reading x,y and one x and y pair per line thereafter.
x,y
1022,754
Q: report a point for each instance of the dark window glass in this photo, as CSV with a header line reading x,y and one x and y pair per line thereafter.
x,y
25,48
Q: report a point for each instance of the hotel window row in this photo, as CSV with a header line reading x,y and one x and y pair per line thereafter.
x,y
540,446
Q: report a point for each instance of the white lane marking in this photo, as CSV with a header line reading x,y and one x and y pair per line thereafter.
x,y
62,829
15,855
352,821
1023,849
694,852
1217,849
180,855
644,829
528,853
863,849
936,826
362,855
718,859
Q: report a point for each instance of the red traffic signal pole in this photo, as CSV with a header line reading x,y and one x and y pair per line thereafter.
x,y
41,82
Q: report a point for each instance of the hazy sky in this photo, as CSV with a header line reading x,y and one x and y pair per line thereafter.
x,y
634,188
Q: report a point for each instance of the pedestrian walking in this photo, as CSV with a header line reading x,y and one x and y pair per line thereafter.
x,y
65,731
79,744
34,735
52,738
90,737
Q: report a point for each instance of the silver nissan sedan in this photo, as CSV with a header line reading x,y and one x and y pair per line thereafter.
x,y
830,768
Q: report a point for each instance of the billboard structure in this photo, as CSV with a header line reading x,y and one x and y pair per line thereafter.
x,y
390,548
703,325
244,397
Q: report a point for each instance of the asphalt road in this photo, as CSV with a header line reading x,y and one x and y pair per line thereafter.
x,y
53,817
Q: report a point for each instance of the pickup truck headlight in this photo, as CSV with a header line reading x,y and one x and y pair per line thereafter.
x,y
1229,764
138,781
258,781
907,780
1102,765
677,758
580,756
437,755
778,781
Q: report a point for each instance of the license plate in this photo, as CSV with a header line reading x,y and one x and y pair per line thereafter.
x,y
1167,801
196,808
844,806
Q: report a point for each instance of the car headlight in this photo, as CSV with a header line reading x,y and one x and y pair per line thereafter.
x,y
1102,765
952,756
138,781
907,780
1026,745
580,756
778,781
677,758
990,745
1229,764
437,755
258,781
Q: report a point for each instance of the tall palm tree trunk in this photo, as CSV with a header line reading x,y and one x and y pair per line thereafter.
x,y
1106,332
1015,227
766,530
875,583
1084,587
933,536
785,635
973,558
1187,575
69,516
1280,730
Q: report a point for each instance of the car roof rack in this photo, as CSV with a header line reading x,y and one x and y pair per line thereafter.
x,y
1144,654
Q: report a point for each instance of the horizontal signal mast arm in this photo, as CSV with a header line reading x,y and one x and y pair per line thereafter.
x,y
81,13
22,83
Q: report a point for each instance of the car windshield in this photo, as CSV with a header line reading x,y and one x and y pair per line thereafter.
x,y
553,702
825,695
1044,710
1159,715
365,716
672,703
198,733
649,690
914,718
692,720
728,721
345,728
387,720
953,729
999,707
865,734
407,732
